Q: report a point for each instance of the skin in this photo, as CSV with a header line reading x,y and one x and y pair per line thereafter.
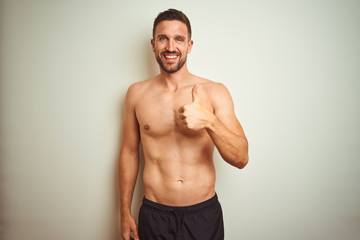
x,y
179,118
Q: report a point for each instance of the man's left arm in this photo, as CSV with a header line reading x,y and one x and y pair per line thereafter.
x,y
222,124
225,129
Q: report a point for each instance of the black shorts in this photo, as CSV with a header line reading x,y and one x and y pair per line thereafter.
x,y
202,221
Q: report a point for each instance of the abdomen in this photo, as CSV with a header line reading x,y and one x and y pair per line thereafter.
x,y
179,174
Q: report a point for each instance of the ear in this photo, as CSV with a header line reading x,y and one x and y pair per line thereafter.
x,y
153,44
190,44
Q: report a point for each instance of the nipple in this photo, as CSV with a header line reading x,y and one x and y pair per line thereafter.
x,y
147,127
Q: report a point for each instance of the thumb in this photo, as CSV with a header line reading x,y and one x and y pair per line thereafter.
x,y
194,92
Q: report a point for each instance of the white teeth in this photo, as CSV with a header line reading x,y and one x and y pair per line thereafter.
x,y
167,56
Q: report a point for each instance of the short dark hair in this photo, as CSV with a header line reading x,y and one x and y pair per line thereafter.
x,y
172,14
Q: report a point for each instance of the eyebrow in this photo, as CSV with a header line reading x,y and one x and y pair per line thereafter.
x,y
161,35
176,36
180,36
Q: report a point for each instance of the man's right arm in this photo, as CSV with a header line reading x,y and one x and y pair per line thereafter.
x,y
128,165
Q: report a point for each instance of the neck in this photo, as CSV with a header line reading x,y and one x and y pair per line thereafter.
x,y
173,81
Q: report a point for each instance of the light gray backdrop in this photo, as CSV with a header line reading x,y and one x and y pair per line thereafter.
x,y
292,67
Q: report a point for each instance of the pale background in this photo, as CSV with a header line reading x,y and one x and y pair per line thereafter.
x,y
292,67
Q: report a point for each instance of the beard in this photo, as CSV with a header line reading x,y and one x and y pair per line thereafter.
x,y
170,69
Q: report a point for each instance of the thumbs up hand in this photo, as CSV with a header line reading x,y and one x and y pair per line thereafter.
x,y
194,93
194,115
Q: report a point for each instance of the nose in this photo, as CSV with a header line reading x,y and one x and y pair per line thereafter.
x,y
170,46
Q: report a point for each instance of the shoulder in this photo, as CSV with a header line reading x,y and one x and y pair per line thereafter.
x,y
217,94
210,85
215,90
136,90
138,86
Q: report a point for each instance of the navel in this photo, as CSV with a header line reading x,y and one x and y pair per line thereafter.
x,y
147,127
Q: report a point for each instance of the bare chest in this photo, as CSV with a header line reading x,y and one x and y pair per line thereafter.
x,y
157,115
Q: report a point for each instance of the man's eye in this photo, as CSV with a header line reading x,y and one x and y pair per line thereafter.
x,y
179,39
162,38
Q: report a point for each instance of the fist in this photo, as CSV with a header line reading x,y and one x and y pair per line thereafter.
x,y
194,116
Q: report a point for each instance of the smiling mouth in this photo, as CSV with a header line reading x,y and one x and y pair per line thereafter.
x,y
170,56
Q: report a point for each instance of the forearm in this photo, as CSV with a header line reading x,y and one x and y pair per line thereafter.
x,y
128,170
233,148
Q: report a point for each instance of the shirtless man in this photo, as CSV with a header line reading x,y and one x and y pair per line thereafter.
x,y
179,118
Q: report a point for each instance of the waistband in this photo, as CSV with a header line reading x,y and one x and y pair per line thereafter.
x,y
194,207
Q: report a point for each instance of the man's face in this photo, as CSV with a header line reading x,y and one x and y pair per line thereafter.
x,y
171,45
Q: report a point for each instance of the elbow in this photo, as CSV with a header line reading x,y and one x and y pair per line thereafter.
x,y
242,161
239,161
239,158
242,158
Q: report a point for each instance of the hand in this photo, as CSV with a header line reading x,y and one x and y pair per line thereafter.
x,y
194,115
128,226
